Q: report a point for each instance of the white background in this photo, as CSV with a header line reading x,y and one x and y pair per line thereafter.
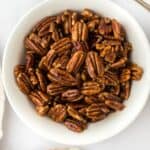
x,y
19,137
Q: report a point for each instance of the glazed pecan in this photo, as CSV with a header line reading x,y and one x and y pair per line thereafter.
x,y
82,45
115,105
94,112
79,31
90,88
32,76
74,114
39,98
19,69
75,62
104,29
62,45
91,99
58,113
29,60
55,89
125,75
24,83
72,95
94,65
62,77
42,110
136,72
120,63
41,79
74,125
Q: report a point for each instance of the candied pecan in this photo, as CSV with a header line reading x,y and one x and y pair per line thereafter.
x,y
79,31
74,125
42,110
125,89
116,29
62,77
24,83
58,113
125,75
19,69
94,65
34,47
55,89
74,114
136,72
105,29
39,98
29,60
90,88
94,112
75,62
109,54
61,62
115,105
62,45
72,95
41,79
103,96
32,76
120,63
82,45
91,99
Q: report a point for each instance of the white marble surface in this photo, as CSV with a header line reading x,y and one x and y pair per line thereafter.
x,y
19,137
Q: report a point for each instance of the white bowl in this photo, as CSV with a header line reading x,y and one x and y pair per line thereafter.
x,y
97,131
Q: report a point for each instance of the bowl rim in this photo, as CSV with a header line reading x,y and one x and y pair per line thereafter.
x,y
21,116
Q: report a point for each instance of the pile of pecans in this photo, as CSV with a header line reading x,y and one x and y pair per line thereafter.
x,y
78,68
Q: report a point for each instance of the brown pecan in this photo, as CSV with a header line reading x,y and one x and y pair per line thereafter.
x,y
24,83
79,32
87,13
75,62
116,29
103,96
74,114
29,60
34,47
32,76
82,45
120,63
42,110
125,90
94,112
105,29
19,69
125,75
91,99
90,88
39,98
58,113
55,89
61,45
62,77
92,25
41,79
72,95
94,65
61,62
136,72
115,105
74,125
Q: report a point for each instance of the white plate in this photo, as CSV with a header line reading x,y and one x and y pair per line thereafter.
x,y
97,131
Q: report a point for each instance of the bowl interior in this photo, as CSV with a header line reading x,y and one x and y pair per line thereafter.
x,y
99,131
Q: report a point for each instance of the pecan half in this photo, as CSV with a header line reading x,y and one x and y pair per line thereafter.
x,y
125,75
58,113
94,113
72,95
39,98
90,88
75,62
24,83
94,65
120,63
62,77
136,72
55,89
116,29
62,45
29,60
74,114
32,76
79,32
19,69
42,110
74,125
